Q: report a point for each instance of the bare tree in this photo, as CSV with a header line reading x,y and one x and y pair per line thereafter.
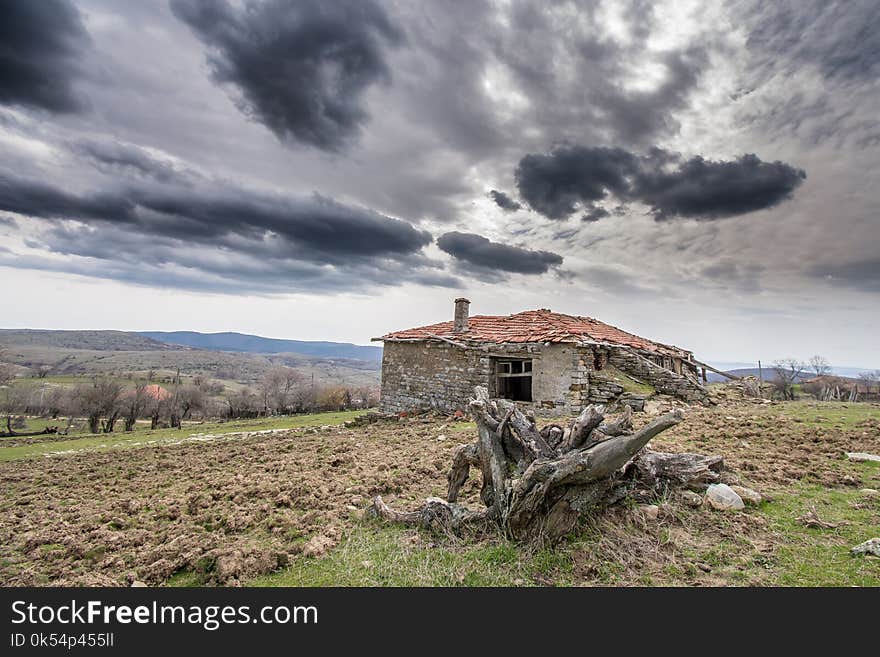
x,y
870,380
821,366
99,399
134,403
7,369
187,399
243,403
788,372
277,387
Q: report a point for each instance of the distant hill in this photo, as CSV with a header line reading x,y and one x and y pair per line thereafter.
x,y
769,374
79,353
255,344
92,340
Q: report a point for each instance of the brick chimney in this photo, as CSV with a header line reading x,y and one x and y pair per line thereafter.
x,y
461,315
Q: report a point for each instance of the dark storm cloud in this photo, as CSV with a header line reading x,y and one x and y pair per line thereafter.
x,y
236,238
504,202
556,184
301,68
705,189
39,199
321,227
232,265
40,47
478,251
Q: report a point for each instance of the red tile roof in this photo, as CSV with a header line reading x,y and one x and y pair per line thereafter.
x,y
532,326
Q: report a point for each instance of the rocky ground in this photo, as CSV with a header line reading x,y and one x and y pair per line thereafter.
x,y
227,510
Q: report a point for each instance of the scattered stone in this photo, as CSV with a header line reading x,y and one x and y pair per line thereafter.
x,y
723,498
318,546
441,437
650,511
861,457
871,546
691,499
748,495
136,584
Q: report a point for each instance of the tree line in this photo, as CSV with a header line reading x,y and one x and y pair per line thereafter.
x,y
107,402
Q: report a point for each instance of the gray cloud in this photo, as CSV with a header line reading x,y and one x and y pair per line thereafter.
x,y
302,68
706,189
859,274
504,202
40,199
113,157
39,57
320,227
556,184
594,214
842,40
480,254
226,233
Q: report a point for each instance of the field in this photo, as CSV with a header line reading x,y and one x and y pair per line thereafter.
x,y
286,508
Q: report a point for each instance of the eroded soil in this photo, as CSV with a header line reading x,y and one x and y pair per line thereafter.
x,y
234,508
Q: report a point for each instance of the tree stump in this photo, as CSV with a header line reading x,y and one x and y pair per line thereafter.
x,y
537,483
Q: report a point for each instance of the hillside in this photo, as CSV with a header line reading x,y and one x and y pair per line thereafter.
x,y
256,344
91,340
78,353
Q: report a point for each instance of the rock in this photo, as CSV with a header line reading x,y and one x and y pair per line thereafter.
x,y
136,584
650,511
870,492
723,498
748,495
441,437
871,546
860,457
690,498
317,546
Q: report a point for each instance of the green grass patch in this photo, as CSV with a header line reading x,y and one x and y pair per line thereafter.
x,y
371,554
629,384
121,439
810,556
828,414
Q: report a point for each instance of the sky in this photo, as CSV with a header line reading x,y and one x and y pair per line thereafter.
x,y
699,173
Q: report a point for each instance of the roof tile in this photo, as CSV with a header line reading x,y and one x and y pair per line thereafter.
x,y
532,326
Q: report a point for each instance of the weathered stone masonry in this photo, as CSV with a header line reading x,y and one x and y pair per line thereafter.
x,y
442,376
436,375
551,362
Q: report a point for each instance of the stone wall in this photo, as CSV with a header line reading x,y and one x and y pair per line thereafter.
x,y
441,376
664,381
430,375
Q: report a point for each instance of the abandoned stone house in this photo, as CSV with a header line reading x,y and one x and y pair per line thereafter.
x,y
547,361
